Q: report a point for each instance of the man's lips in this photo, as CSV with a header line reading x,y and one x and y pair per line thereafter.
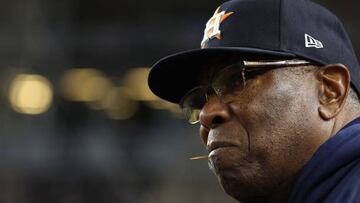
x,y
219,144
214,139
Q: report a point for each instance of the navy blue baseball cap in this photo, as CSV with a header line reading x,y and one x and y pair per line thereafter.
x,y
265,29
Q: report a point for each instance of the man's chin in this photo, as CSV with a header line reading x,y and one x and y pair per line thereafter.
x,y
240,189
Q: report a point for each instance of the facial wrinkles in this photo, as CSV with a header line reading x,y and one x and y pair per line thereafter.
x,y
239,122
237,157
250,169
269,141
252,108
266,113
272,111
227,133
239,101
243,101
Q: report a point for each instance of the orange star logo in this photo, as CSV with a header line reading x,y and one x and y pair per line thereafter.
x,y
212,29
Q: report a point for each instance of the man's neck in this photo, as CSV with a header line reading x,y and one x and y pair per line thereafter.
x,y
280,195
344,117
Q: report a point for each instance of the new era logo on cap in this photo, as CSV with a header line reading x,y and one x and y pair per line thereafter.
x,y
312,42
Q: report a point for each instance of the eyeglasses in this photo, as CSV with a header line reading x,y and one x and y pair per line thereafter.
x,y
226,81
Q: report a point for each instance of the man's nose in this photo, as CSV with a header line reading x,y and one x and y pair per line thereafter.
x,y
213,114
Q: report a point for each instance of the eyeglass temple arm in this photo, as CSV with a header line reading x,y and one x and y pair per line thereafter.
x,y
275,63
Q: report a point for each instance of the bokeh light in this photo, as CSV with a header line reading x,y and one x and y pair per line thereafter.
x,y
85,85
136,80
30,94
119,104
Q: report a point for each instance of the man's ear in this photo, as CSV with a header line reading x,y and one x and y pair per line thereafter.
x,y
334,84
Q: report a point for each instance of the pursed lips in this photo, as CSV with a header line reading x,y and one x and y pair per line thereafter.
x,y
218,144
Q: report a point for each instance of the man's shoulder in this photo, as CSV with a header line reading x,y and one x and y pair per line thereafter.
x,y
333,173
348,188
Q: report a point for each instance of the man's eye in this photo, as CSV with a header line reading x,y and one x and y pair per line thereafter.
x,y
253,73
234,82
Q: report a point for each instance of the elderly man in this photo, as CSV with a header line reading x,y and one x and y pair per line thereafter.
x,y
275,89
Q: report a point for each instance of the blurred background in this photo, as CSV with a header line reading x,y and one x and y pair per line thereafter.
x,y
77,121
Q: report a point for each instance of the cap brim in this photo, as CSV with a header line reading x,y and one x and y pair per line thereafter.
x,y
171,77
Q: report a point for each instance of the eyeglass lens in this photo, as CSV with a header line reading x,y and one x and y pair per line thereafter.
x,y
226,81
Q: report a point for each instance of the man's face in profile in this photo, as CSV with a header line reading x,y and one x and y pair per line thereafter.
x,y
261,135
